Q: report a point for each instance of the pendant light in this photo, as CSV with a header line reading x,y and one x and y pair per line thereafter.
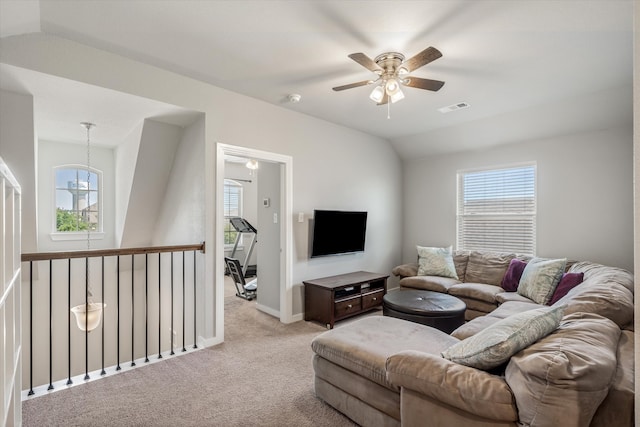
x,y
89,314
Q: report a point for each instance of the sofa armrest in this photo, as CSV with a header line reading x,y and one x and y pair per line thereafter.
x,y
406,270
465,388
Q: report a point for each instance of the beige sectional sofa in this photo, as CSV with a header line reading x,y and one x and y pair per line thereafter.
x,y
382,371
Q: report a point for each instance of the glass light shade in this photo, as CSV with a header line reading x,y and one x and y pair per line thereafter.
x,y
252,164
377,94
88,315
397,96
392,86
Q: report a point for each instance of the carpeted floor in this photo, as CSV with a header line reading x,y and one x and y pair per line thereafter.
x,y
260,376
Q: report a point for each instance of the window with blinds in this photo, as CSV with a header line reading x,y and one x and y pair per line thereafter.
x,y
232,208
497,210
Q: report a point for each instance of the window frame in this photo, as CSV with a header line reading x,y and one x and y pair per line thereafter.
x,y
233,183
525,215
78,235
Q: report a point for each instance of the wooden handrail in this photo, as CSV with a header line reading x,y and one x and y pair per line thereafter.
x,y
44,256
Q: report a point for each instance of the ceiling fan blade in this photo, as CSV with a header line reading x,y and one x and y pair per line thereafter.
x,y
365,61
419,83
385,99
352,85
423,58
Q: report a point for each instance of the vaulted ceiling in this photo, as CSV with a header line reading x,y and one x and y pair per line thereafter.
x,y
500,57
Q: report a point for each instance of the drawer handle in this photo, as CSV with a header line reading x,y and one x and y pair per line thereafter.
x,y
375,299
349,306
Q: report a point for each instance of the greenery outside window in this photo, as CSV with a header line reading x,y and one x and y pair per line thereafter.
x,y
232,208
77,200
497,210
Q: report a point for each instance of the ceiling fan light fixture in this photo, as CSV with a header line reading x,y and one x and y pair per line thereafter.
x,y
377,94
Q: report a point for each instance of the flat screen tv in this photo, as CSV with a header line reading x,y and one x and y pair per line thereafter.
x,y
337,232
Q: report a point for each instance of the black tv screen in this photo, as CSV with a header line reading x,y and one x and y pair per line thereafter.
x,y
338,232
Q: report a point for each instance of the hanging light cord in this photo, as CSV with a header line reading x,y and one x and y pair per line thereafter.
x,y
88,207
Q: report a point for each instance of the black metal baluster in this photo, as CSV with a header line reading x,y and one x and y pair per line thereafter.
x,y
50,327
86,318
146,307
103,372
133,363
159,306
183,306
31,393
118,316
195,345
172,352
69,382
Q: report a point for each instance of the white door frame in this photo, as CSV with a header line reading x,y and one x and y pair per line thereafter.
x,y
286,240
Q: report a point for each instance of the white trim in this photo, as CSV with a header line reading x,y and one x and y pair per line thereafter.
x,y
286,288
73,235
270,311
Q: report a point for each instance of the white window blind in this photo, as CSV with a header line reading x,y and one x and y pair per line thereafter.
x,y
497,210
232,208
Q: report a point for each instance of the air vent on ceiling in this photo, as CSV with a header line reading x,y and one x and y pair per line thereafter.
x,y
454,107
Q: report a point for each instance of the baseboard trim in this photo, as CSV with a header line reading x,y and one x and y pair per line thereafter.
x,y
270,311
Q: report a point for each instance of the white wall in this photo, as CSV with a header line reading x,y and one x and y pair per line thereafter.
x,y
181,220
126,157
269,237
18,149
333,167
584,189
158,144
52,154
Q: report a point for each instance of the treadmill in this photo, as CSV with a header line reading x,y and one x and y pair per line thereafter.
x,y
243,227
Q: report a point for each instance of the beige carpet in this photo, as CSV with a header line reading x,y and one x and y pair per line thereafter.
x,y
260,376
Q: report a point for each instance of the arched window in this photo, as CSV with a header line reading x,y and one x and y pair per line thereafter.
x,y
232,208
78,197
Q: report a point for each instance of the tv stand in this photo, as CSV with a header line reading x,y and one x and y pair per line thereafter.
x,y
329,299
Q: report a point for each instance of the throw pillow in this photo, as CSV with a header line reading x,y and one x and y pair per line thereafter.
x,y
436,262
495,344
512,276
540,279
568,282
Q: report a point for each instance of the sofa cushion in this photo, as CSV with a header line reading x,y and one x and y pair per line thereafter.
x,y
512,277
494,345
405,270
617,409
429,283
563,378
364,345
477,305
567,282
540,278
503,297
510,308
478,291
474,326
460,259
487,267
436,262
610,300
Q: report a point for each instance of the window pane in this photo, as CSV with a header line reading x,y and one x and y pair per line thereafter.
x,y
77,200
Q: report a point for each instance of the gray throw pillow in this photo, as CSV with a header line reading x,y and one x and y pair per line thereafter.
x,y
540,279
436,262
495,345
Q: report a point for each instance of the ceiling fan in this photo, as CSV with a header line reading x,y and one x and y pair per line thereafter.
x,y
393,72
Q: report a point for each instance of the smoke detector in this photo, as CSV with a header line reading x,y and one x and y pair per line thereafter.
x,y
294,98
454,107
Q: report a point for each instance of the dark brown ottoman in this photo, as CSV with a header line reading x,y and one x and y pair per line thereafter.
x,y
441,311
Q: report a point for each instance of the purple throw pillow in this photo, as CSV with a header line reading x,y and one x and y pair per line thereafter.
x,y
512,276
568,282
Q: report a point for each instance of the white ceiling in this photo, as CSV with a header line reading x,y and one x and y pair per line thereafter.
x,y
498,56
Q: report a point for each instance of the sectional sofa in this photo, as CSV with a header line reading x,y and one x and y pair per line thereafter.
x,y
382,371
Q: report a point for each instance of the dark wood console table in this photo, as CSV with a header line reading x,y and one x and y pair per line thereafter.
x,y
329,299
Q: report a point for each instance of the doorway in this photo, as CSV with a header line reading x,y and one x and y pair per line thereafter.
x,y
284,220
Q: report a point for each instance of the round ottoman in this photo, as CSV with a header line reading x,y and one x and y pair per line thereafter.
x,y
441,311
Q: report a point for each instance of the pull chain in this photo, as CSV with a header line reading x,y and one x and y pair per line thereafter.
x,y
88,126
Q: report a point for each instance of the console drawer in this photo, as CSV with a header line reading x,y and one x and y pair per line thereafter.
x,y
347,306
372,299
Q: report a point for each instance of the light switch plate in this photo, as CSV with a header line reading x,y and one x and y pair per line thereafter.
x,y
301,217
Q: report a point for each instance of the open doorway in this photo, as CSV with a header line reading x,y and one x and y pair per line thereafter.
x,y
274,211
